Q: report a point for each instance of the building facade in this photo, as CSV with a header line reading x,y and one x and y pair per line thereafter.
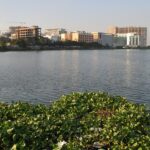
x,y
119,41
137,31
82,36
54,34
96,37
133,39
104,39
66,37
26,32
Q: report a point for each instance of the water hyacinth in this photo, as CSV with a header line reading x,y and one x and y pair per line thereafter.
x,y
79,121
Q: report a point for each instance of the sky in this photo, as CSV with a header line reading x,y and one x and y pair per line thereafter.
x,y
88,15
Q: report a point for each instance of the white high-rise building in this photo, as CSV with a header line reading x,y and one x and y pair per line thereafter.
x,y
133,39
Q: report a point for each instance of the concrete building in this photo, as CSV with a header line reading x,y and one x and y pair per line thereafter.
x,y
82,36
54,34
12,29
119,41
66,37
103,38
106,39
133,39
138,31
26,32
96,37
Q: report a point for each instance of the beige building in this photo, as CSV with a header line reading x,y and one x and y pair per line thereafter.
x,y
26,32
82,37
66,37
140,31
96,37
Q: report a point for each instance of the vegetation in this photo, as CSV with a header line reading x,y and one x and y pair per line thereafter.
x,y
79,121
44,43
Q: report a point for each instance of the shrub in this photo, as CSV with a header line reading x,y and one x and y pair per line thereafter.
x,y
79,121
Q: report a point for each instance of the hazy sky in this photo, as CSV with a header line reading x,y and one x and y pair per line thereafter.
x,y
89,15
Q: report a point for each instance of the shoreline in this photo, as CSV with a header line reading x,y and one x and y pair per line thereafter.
x,y
65,48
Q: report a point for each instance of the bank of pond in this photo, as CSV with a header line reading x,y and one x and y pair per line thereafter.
x,y
78,121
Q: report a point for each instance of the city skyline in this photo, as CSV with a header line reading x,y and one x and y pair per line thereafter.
x,y
86,15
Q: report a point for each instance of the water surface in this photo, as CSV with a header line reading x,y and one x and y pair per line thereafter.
x,y
41,77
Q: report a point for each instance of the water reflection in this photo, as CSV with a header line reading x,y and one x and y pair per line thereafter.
x,y
128,67
44,76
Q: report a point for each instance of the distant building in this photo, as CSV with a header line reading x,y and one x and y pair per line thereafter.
x,y
140,32
66,37
119,41
25,32
133,39
96,37
82,36
5,34
12,29
54,34
104,39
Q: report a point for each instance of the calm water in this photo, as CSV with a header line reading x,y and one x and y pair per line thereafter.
x,y
40,77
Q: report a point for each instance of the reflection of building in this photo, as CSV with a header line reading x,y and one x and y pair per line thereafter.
x,y
25,32
137,32
54,34
82,37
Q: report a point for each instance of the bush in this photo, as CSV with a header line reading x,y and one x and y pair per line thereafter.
x,y
79,121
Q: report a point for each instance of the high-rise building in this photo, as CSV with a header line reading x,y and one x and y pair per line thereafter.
x,y
138,31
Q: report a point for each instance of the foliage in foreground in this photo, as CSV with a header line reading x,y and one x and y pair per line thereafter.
x,y
85,121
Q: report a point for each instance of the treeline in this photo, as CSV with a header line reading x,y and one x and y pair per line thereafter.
x,y
44,43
